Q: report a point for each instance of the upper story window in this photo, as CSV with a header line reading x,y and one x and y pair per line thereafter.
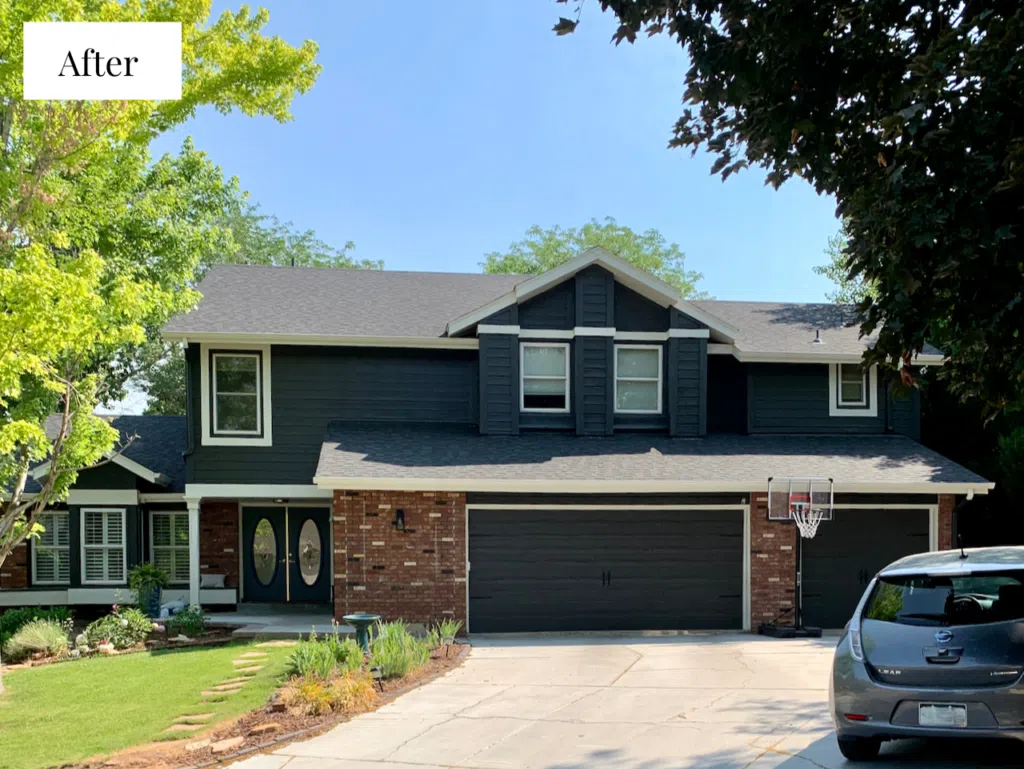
x,y
544,375
237,398
852,390
51,554
235,392
638,379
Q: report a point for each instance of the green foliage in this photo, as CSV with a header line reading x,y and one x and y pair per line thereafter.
x,y
448,628
146,577
396,651
47,636
543,249
124,628
322,658
191,622
912,117
850,289
12,619
99,243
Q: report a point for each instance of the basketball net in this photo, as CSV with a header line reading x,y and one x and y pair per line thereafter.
x,y
804,515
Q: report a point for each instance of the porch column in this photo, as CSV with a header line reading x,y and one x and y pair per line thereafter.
x,y
193,551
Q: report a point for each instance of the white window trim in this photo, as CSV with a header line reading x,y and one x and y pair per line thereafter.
x,y
661,374
124,543
258,395
207,437
865,398
66,548
522,378
839,409
152,543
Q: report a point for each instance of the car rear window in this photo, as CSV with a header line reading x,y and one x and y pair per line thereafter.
x,y
936,600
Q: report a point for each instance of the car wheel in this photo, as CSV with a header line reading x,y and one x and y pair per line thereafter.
x,y
859,748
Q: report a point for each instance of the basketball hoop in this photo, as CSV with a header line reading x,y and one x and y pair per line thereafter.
x,y
805,514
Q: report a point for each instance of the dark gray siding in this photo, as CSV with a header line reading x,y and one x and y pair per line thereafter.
x,y
793,398
595,297
905,413
636,313
679,319
499,384
106,476
312,386
727,395
552,309
507,317
594,390
687,386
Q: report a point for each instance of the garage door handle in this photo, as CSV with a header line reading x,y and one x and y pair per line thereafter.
x,y
603,578
609,579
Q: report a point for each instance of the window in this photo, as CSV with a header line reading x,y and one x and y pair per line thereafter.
x,y
637,379
168,537
545,377
51,557
237,396
103,546
853,391
933,600
853,385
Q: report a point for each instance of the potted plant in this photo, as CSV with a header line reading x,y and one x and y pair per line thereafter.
x,y
148,582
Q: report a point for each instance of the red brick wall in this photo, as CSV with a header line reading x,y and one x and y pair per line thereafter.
x,y
218,540
14,570
418,574
946,504
772,565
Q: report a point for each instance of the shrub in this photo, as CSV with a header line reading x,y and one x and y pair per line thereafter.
x,y
312,659
346,652
396,651
124,628
190,622
350,693
13,619
146,580
45,636
447,629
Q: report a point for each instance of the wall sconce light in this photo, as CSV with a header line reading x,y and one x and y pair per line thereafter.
x,y
400,519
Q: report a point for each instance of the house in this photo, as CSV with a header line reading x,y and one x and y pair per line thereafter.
x,y
580,449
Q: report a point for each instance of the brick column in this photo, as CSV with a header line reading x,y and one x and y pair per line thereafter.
x,y
218,540
418,574
946,504
14,570
772,565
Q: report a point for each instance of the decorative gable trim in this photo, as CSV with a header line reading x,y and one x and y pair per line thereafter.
x,y
645,284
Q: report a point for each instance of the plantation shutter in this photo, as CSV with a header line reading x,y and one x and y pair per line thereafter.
x,y
103,546
51,556
170,544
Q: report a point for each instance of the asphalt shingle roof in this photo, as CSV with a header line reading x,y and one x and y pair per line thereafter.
x,y
430,452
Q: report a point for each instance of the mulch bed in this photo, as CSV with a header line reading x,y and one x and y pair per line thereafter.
x,y
172,755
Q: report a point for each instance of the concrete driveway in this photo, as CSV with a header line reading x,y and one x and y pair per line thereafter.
x,y
622,703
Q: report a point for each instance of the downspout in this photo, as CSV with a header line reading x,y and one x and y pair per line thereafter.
x,y
190,436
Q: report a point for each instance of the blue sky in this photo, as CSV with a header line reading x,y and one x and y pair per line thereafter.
x,y
438,133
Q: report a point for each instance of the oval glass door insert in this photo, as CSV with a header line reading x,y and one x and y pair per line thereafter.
x,y
264,552
309,552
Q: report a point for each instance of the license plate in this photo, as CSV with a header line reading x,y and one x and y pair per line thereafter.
x,y
944,716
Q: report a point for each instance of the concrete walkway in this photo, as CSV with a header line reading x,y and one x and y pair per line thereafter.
x,y
617,703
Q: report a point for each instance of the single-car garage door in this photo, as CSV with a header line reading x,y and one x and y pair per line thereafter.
x,y
534,570
848,551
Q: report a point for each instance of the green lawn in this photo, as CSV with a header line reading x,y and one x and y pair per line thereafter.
x,y
63,713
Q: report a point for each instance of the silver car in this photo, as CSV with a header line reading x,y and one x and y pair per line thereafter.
x,y
935,649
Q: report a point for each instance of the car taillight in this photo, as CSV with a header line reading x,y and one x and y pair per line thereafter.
x,y
855,717
856,647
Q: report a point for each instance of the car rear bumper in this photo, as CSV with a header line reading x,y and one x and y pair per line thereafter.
x,y
891,712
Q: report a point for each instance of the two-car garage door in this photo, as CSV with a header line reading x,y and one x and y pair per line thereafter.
x,y
599,569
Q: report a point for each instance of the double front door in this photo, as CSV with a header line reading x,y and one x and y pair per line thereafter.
x,y
286,554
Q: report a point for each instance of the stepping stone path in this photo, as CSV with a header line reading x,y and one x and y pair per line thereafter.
x,y
246,665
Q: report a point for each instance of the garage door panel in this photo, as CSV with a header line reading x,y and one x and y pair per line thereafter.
x,y
542,569
848,551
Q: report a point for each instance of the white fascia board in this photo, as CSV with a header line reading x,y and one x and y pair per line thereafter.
x,y
623,486
485,328
714,348
196,491
131,466
322,340
103,497
811,357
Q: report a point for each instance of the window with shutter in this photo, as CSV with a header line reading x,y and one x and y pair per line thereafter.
x,y
51,556
169,544
103,546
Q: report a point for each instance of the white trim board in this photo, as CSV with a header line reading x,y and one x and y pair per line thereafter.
x,y
197,491
321,340
825,356
566,334
103,497
206,435
622,486
158,479
105,595
523,376
836,410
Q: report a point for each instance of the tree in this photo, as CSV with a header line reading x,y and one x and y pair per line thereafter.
x,y
849,289
97,243
912,115
251,238
543,249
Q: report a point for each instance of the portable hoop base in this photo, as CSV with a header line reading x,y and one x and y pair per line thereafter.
x,y
797,629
